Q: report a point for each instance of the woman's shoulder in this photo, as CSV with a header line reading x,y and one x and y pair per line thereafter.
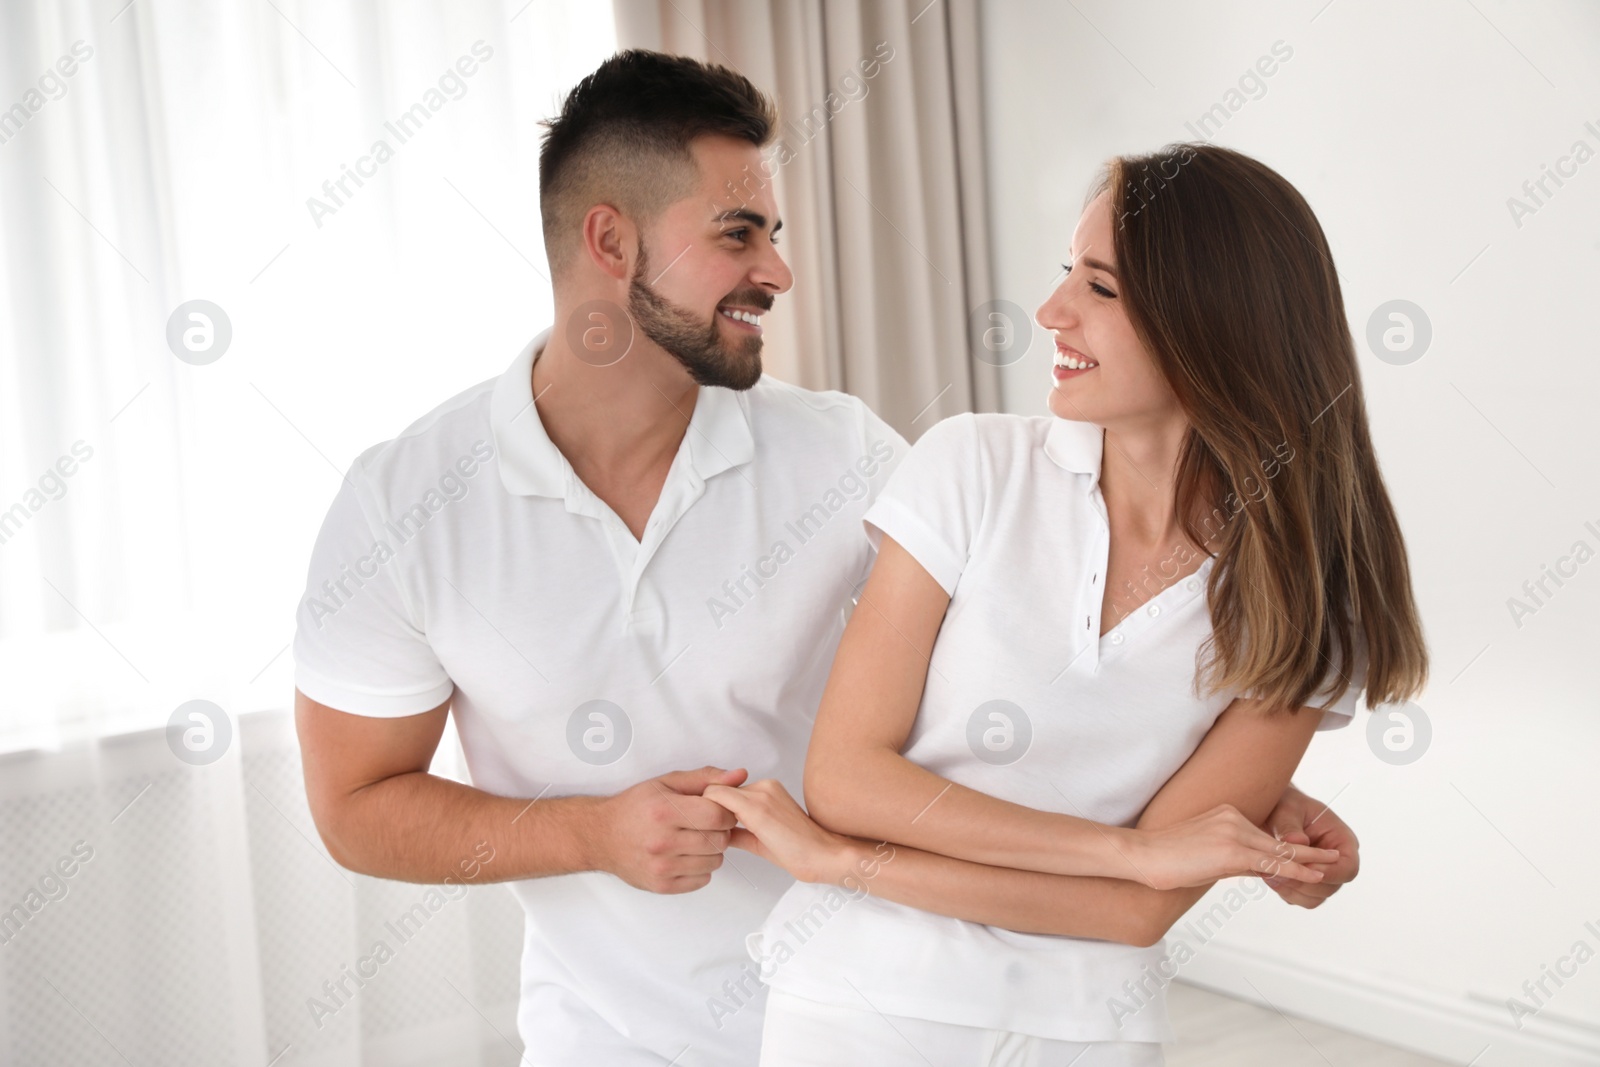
x,y
988,430
984,444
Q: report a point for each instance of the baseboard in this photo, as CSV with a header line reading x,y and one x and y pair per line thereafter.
x,y
1456,1030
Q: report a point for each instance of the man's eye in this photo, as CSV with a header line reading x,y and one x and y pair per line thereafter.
x,y
738,234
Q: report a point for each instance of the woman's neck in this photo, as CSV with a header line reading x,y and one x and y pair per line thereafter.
x,y
1138,470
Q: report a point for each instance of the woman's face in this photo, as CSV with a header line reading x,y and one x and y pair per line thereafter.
x,y
1085,313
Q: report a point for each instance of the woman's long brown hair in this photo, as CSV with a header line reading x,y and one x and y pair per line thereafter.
x,y
1229,282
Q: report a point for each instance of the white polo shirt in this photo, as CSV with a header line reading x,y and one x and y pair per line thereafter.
x,y
465,559
1027,702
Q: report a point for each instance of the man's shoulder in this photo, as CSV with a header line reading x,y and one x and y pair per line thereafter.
x,y
457,430
780,410
786,399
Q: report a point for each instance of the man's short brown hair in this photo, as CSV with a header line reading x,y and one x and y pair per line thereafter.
x,y
623,135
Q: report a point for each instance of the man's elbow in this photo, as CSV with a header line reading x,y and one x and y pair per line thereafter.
x,y
325,818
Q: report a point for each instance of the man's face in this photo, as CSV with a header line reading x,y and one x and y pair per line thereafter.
x,y
708,263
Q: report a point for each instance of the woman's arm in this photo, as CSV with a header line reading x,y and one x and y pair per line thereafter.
x,y
1246,760
858,784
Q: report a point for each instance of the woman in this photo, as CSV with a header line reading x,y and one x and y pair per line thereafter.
x,y
1093,648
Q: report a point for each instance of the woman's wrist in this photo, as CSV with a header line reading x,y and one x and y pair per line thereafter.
x,y
857,862
1129,847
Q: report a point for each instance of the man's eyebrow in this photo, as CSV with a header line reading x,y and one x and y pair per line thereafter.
x,y
754,218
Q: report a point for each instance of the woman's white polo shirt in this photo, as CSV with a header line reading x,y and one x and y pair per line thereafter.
x,y
1025,701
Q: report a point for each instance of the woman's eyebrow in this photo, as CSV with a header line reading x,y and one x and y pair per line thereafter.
x,y
1096,264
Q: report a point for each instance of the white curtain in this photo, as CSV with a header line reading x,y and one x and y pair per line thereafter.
x,y
179,162
157,913
157,512
879,176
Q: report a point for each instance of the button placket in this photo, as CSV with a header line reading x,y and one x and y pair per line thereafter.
x,y
1137,622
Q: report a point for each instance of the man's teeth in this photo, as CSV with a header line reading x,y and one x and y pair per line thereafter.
x,y
743,316
1073,362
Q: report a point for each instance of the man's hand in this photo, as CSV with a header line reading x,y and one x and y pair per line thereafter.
x,y
1300,820
662,835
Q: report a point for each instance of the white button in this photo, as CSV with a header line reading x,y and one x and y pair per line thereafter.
x,y
1193,584
1116,639
1155,609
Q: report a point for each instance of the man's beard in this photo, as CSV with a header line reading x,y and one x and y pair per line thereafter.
x,y
699,346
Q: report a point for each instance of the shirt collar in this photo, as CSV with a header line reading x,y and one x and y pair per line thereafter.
x,y
1076,446
718,437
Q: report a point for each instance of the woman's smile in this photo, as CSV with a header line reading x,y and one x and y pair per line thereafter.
x,y
1070,363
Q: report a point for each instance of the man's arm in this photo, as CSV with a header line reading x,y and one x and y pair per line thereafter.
x,y
380,812
1303,820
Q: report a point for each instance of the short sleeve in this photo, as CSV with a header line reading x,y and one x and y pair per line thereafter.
x,y
933,502
1342,711
358,646
882,443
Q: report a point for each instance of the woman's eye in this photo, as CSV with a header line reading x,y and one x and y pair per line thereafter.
x,y
1100,289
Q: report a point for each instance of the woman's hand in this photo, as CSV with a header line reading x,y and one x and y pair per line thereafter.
x,y
1218,844
778,830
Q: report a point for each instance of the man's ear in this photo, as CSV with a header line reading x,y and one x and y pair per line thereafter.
x,y
610,241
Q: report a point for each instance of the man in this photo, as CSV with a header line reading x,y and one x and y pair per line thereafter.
x,y
630,555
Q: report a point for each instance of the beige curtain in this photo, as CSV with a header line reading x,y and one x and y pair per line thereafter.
x,y
880,183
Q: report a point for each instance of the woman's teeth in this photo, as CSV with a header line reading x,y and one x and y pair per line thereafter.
x,y
1073,362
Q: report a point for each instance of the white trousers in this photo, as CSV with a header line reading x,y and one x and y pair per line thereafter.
x,y
804,1033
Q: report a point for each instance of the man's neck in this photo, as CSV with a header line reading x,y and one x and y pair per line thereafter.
x,y
617,423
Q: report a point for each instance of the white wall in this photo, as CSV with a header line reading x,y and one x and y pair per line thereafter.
x,y
1407,127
